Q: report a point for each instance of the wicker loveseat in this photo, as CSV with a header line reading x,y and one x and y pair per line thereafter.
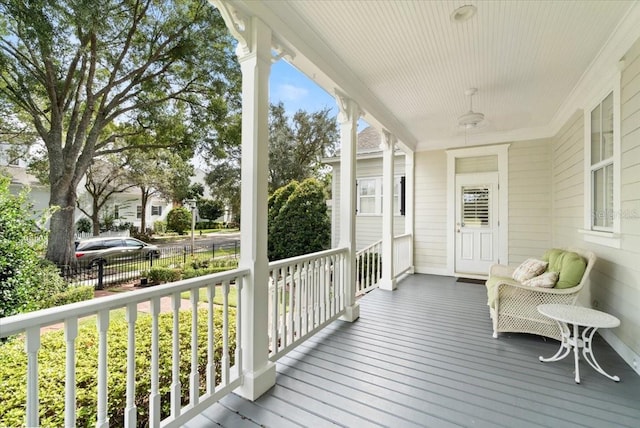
x,y
512,305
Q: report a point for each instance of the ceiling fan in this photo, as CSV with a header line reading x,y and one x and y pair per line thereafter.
x,y
471,119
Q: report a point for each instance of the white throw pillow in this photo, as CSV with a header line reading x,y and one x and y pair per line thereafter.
x,y
528,269
546,280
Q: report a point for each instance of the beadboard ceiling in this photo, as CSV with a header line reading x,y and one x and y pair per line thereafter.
x,y
408,64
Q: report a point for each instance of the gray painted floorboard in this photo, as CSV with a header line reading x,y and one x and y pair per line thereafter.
x,y
423,355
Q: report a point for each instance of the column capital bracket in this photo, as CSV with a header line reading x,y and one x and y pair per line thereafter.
x,y
239,25
348,109
388,140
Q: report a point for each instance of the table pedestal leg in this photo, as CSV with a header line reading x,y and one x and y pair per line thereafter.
x,y
568,343
587,352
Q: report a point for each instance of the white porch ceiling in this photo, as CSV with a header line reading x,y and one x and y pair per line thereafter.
x,y
408,64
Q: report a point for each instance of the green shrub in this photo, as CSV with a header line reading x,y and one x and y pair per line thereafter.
x,y
72,295
179,220
298,220
160,226
161,275
13,363
20,253
84,225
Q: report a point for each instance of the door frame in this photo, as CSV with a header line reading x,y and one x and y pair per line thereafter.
x,y
502,151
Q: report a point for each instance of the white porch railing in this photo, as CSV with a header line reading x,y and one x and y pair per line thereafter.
x,y
305,294
30,326
368,268
402,254
369,262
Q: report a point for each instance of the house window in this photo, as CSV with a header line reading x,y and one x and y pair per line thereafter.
x,y
602,180
602,168
370,192
116,212
156,210
139,211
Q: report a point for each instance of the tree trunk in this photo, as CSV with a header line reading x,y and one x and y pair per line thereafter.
x,y
95,218
144,199
61,248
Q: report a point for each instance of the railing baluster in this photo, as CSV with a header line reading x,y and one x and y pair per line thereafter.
x,y
297,302
194,377
32,346
131,410
238,361
225,333
154,398
283,306
290,331
70,335
103,327
211,365
274,310
176,385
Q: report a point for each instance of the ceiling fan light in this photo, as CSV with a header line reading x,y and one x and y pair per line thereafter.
x,y
463,13
470,119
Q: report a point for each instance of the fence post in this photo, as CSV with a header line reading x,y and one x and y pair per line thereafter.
x,y
184,255
213,250
100,275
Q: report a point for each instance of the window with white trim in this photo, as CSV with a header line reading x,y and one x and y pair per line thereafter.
x,y
138,211
370,192
156,210
602,168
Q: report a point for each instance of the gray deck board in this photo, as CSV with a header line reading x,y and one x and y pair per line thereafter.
x,y
423,355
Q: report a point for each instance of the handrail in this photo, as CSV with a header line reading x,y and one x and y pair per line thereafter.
x,y
21,322
297,259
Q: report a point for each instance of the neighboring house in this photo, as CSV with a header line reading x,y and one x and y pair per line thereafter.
x,y
369,193
125,207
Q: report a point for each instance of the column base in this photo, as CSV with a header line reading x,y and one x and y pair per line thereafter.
x,y
257,383
352,313
388,284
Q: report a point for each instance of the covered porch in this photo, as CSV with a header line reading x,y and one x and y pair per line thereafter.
x,y
423,355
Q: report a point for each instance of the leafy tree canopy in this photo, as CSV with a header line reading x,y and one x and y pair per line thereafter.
x,y
298,220
88,75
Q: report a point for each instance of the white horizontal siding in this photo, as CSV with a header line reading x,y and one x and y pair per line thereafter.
x,y
529,199
430,244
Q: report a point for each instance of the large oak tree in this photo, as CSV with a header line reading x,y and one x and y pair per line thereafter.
x,y
76,67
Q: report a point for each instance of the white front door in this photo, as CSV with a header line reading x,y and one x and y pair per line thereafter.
x,y
476,223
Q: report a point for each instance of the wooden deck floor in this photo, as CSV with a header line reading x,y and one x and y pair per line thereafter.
x,y
423,355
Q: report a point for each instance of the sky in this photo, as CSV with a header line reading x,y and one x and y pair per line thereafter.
x,y
296,91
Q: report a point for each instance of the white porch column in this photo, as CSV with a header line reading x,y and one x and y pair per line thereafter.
x,y
409,205
254,55
348,118
388,280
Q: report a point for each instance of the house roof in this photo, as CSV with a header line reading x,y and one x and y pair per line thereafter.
x,y
407,64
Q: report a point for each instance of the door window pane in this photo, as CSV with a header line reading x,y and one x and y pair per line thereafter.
x,y
475,206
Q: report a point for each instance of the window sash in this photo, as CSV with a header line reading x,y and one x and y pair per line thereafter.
x,y
602,165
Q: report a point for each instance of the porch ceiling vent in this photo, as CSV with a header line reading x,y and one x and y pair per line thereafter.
x,y
471,119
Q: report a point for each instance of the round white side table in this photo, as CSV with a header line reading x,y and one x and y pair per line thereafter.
x,y
578,316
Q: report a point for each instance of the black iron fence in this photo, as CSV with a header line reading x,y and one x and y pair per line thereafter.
x,y
107,271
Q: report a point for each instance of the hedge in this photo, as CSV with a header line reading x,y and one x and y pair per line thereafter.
x,y
72,295
13,363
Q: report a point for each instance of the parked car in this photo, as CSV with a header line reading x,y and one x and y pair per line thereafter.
x,y
90,252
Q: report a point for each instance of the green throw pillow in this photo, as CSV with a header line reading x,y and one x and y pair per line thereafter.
x,y
570,265
573,266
